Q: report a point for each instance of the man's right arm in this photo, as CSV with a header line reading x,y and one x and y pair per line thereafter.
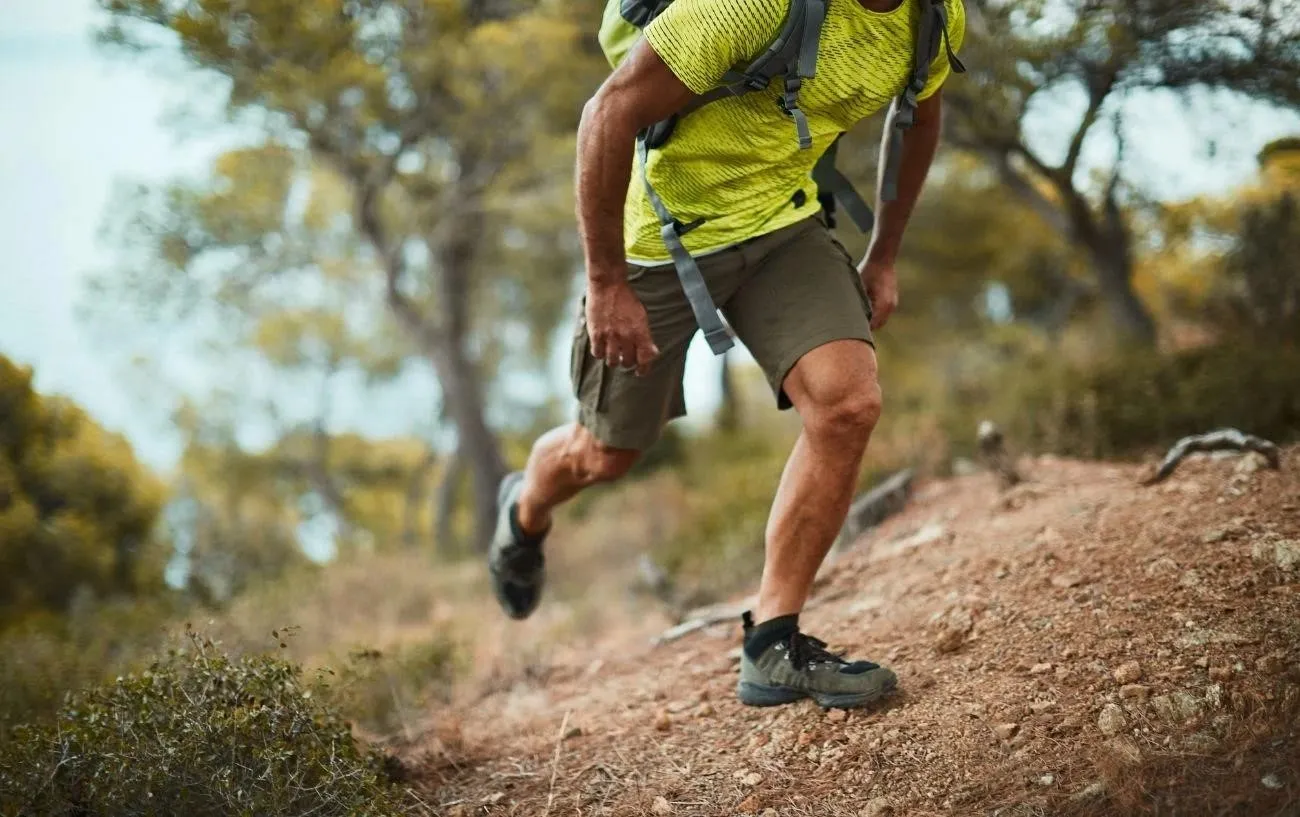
x,y
640,92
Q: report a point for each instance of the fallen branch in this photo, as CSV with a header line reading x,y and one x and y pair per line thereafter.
x,y
1224,439
875,506
555,763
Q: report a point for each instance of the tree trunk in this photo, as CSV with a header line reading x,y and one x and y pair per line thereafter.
x,y
1114,273
444,511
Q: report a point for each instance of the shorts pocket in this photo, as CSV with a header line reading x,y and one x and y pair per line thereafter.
x,y
587,374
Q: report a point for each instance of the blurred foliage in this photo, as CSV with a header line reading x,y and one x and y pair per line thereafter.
x,y
77,511
197,733
386,692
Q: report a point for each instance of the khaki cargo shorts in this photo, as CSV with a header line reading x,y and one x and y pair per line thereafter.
x,y
784,293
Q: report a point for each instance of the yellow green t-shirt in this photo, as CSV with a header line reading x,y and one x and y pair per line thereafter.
x,y
736,163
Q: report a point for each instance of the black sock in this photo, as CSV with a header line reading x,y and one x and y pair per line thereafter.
x,y
527,539
769,633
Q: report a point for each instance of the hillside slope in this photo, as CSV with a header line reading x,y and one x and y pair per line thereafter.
x,y
1076,645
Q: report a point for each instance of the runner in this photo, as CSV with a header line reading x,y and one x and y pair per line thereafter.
x,y
738,186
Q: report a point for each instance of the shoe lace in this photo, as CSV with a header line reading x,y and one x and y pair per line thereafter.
x,y
806,650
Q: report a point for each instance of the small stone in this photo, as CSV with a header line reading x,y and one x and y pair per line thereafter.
x,y
1125,749
1187,705
1004,731
1039,707
1164,707
837,716
1271,781
752,779
662,722
1039,669
494,798
1202,662
1250,463
1046,780
1220,672
1212,536
749,805
1112,720
705,710
1214,695
1064,581
1128,672
769,812
661,806
1134,692
878,807
1163,566
1089,792
1286,554
573,732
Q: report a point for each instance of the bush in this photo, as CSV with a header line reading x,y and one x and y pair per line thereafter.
x,y
1138,402
384,693
196,734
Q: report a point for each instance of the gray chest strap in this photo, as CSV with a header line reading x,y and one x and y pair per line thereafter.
x,y
688,272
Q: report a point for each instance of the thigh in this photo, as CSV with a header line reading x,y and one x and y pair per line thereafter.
x,y
621,409
802,294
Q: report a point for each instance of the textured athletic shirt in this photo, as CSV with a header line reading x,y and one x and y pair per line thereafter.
x,y
736,163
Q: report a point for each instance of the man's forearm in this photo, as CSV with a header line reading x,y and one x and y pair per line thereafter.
x,y
603,172
919,145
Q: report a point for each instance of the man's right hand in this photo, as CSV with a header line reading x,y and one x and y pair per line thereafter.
x,y
619,327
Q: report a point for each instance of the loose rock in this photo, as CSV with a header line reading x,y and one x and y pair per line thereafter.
x,y
1271,781
1112,720
837,716
752,779
1039,669
878,807
662,722
661,806
1004,731
1046,780
1128,672
1134,692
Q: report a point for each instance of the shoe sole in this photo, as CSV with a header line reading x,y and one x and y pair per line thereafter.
x,y
508,482
752,694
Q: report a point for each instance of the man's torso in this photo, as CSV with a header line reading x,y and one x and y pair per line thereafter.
x,y
736,163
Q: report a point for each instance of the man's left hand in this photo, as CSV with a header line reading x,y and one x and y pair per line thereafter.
x,y
882,287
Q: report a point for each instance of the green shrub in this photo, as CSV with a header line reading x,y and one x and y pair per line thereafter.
x,y
1137,402
385,693
196,734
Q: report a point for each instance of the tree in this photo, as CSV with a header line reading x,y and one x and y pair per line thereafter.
x,y
1230,260
1021,54
77,511
447,123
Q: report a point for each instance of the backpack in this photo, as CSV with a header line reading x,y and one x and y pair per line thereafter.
x,y
791,56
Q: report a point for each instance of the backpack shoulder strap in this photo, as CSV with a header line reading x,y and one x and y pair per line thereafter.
x,y
930,33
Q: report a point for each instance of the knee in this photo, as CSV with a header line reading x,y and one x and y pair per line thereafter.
x,y
591,461
848,417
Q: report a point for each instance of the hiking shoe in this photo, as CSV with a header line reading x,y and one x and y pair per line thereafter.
x,y
799,666
515,559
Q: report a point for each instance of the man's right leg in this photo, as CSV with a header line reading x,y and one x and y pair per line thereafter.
x,y
564,461
620,415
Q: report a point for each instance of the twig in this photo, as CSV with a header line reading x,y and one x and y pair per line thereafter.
x,y
1224,439
555,763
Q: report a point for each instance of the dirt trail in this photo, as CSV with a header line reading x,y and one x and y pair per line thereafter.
x,y
1076,645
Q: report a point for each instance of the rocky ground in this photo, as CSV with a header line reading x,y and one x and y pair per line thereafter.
x,y
1076,645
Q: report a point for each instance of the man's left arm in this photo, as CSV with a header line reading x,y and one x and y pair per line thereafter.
x,y
877,269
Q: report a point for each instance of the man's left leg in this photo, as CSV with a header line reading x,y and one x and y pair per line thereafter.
x,y
835,391
805,316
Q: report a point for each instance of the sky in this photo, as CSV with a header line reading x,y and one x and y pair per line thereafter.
x,y
75,120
